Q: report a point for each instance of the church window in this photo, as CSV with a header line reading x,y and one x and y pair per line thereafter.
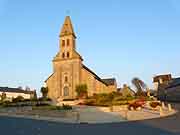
x,y
63,43
67,42
63,55
73,43
66,79
67,54
66,91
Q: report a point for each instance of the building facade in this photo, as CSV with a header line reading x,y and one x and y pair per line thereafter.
x,y
168,88
15,92
161,80
126,91
69,70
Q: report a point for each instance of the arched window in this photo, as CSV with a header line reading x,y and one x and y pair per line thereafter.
x,y
63,43
67,54
63,55
74,46
66,91
67,42
66,79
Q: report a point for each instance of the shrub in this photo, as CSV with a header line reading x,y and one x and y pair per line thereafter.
x,y
6,103
141,94
67,107
44,91
81,90
68,99
123,102
134,105
89,102
3,96
120,98
44,99
155,104
138,103
18,99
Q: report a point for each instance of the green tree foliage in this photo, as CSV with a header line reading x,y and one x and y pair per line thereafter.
x,y
139,84
3,96
34,96
81,90
18,99
44,91
108,99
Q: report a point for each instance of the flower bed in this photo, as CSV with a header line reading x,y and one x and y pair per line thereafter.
x,y
155,104
137,104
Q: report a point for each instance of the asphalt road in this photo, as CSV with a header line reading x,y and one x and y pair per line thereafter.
x,y
21,126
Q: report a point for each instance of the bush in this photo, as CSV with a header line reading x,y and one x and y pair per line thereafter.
x,y
6,103
18,99
3,96
134,105
155,104
68,99
138,103
120,98
123,102
81,91
67,107
141,94
104,99
44,99
90,102
44,91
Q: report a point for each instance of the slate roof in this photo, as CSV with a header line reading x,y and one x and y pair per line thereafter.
x,y
122,89
96,76
109,81
49,77
15,90
166,77
174,83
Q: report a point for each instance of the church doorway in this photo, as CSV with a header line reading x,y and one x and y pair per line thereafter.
x,y
66,91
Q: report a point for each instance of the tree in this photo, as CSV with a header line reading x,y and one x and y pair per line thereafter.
x,y
20,87
140,85
18,99
3,96
35,95
44,91
27,88
81,90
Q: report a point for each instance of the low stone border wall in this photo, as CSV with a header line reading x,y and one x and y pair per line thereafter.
x,y
144,113
68,116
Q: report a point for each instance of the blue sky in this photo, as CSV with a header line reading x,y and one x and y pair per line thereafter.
x,y
120,38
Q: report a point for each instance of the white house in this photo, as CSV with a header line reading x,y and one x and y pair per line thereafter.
x,y
15,92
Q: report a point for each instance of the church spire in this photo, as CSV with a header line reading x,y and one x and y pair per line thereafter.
x,y
67,28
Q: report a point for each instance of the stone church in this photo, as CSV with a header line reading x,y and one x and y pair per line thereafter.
x,y
69,70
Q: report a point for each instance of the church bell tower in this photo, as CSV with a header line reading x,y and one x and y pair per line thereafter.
x,y
67,63
67,39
